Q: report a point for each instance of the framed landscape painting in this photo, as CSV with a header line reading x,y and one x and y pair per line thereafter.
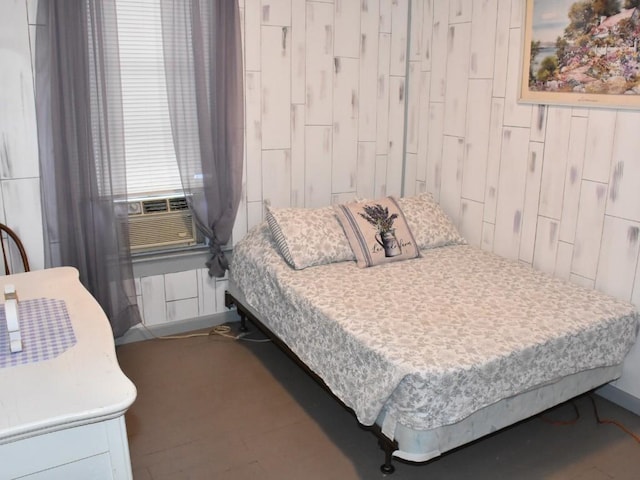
x,y
582,53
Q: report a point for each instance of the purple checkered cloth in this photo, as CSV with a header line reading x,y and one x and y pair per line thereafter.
x,y
45,328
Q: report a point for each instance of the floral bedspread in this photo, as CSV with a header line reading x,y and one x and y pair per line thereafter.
x,y
432,339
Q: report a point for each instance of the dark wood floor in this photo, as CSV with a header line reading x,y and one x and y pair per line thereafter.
x,y
214,408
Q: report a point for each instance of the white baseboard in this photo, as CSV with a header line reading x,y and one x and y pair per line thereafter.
x,y
620,397
139,333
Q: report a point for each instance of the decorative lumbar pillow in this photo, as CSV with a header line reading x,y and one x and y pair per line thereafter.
x,y
430,225
307,237
377,231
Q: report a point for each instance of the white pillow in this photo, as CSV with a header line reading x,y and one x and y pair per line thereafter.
x,y
429,224
308,237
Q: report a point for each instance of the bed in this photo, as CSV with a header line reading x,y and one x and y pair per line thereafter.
x,y
434,350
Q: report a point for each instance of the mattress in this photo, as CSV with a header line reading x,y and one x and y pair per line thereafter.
x,y
425,344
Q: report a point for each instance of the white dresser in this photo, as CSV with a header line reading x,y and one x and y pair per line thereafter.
x,y
63,417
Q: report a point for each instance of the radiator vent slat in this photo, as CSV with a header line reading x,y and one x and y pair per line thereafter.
x,y
155,206
178,203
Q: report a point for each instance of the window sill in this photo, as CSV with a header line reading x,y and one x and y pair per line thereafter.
x,y
160,262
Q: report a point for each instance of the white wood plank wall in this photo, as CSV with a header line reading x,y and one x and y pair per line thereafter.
x,y
325,90
19,167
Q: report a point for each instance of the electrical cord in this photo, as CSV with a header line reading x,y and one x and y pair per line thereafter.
x,y
608,421
601,421
218,330
563,422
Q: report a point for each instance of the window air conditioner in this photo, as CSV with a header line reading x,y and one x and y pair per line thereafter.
x,y
156,222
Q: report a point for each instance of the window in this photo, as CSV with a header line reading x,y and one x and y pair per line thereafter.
x,y
159,217
151,162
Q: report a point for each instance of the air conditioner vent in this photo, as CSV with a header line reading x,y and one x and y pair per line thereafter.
x,y
160,222
167,230
178,203
155,206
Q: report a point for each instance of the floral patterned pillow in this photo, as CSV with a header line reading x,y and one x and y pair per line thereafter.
x,y
377,231
307,237
430,225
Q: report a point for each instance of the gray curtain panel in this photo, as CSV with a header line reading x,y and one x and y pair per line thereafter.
x,y
80,127
203,62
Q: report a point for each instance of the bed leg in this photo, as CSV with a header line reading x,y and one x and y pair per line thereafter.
x,y
243,322
228,299
229,302
388,447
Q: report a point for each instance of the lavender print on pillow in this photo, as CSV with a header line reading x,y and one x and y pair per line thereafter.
x,y
377,231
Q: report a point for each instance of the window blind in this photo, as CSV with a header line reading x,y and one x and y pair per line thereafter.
x,y
150,156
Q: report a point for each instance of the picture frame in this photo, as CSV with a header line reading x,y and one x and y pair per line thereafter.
x,y
582,53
